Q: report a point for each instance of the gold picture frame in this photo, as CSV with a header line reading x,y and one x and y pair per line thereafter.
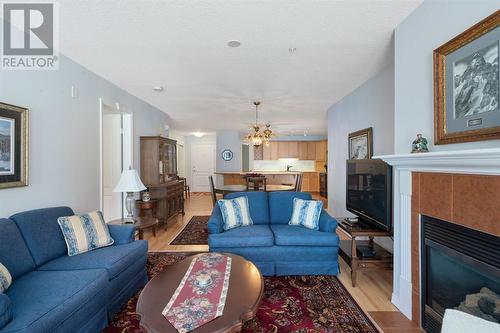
x,y
361,144
461,120
14,146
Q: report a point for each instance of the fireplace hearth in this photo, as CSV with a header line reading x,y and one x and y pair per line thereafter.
x,y
460,269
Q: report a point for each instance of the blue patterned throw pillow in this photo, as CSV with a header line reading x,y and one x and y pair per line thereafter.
x,y
84,233
235,212
306,213
5,278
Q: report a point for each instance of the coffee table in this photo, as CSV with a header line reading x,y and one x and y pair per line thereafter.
x,y
246,287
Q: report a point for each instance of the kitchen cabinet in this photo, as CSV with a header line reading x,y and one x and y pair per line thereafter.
x,y
266,152
283,149
321,151
293,149
311,150
302,150
274,150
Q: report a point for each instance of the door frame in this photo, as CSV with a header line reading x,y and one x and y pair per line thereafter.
x,y
104,108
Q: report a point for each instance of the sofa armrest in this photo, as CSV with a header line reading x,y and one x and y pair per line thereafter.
x,y
5,310
326,222
215,222
122,233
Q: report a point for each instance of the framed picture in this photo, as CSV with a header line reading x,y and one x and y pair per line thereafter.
x,y
466,85
361,144
13,146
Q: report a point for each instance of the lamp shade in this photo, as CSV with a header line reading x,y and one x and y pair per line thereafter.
x,y
129,182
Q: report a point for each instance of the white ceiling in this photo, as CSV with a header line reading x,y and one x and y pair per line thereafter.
x,y
209,86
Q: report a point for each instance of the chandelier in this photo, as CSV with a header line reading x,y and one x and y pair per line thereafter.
x,y
256,136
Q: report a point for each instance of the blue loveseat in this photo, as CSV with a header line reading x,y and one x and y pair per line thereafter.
x,y
52,292
275,247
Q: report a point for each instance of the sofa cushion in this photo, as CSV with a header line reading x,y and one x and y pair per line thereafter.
x,y
5,310
115,259
41,301
287,235
281,205
14,253
251,236
257,201
42,233
5,278
235,212
306,213
84,233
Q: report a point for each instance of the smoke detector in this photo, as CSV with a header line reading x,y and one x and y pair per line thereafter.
x,y
233,43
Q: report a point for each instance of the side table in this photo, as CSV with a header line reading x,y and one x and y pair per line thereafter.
x,y
146,208
140,224
382,259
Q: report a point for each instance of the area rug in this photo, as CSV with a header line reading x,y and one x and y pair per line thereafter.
x,y
298,304
194,233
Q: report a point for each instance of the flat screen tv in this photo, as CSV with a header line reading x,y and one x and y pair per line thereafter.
x,y
369,192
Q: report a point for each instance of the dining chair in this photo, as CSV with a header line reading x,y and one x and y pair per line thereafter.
x,y
212,190
298,182
253,183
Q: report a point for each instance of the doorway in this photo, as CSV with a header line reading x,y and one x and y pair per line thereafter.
x,y
202,166
116,155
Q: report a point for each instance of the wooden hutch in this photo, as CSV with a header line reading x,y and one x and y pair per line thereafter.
x,y
159,175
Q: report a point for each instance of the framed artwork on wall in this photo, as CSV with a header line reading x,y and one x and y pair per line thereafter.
x,y
467,85
13,146
361,144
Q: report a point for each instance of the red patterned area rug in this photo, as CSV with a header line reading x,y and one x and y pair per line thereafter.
x,y
194,233
298,304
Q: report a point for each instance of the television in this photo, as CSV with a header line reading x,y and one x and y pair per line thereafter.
x,y
369,192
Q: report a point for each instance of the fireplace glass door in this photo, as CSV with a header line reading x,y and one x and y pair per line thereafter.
x,y
455,275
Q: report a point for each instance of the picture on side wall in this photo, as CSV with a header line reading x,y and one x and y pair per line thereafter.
x,y
13,146
361,144
467,85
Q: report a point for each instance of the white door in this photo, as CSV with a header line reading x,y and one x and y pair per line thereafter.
x,y
181,171
202,166
112,165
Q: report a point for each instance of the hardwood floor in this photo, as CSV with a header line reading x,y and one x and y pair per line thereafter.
x,y
373,290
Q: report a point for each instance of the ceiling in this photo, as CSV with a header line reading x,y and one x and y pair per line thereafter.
x,y
182,45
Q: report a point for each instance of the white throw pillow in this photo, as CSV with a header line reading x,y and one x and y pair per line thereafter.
x,y
5,278
235,212
306,213
84,233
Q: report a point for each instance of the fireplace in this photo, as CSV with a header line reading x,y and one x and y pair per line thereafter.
x,y
460,269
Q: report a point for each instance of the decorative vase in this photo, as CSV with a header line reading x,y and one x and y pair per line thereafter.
x,y
145,196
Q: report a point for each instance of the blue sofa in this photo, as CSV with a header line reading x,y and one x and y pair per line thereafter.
x,y
52,292
275,247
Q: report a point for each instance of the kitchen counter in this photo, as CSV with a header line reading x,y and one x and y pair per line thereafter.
x,y
310,182
263,172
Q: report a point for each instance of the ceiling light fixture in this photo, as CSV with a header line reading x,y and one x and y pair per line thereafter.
x,y
256,137
234,43
198,134
158,88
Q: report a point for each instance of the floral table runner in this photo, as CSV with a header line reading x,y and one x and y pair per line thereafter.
x,y
201,295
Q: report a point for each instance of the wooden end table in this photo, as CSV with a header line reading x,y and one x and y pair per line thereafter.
x,y
146,208
348,248
246,287
140,224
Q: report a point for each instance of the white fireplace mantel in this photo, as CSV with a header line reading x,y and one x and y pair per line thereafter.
x,y
478,161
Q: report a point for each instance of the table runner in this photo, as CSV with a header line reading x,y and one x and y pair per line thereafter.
x,y
201,295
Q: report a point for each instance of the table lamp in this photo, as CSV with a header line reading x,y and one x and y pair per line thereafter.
x,y
129,182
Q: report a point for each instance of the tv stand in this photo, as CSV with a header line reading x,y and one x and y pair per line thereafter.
x,y
363,254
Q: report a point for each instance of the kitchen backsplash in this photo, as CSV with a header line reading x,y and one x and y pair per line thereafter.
x,y
280,165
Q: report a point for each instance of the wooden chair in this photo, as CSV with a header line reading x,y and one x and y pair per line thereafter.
x,y
213,190
187,191
298,182
254,183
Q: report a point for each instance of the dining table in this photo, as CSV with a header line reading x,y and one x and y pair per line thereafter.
x,y
226,189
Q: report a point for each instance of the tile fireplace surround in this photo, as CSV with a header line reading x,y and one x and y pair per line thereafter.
x,y
461,187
